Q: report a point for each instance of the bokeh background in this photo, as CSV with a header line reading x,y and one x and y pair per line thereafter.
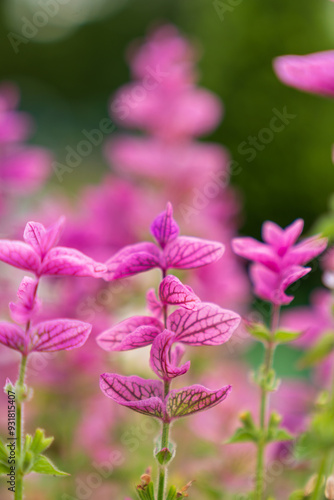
x,y
67,73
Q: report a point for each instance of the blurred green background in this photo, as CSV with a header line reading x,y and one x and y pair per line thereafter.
x,y
66,84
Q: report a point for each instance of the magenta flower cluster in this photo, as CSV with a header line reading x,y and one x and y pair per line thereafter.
x,y
39,255
193,323
279,261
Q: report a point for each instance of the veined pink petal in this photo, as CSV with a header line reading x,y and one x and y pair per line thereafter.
x,y
251,249
133,259
164,228
33,235
19,254
70,262
193,399
310,73
172,291
59,334
160,357
52,234
143,396
131,333
186,252
43,239
12,336
209,324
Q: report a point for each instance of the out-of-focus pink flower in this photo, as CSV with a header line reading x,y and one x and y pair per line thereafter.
x,y
22,168
311,73
279,261
39,255
313,321
189,162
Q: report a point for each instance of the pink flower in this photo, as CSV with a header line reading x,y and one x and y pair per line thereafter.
x,y
28,304
172,251
147,396
196,323
311,73
48,336
22,168
279,261
39,255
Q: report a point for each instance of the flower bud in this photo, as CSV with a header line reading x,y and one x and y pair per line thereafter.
x,y
310,485
329,491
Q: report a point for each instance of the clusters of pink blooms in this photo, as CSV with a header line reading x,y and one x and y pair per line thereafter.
x,y
23,168
279,261
39,255
192,323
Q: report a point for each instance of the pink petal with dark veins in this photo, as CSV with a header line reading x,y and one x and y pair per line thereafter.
x,y
172,291
12,336
19,254
70,262
131,333
193,399
164,228
58,335
186,252
160,357
207,325
143,396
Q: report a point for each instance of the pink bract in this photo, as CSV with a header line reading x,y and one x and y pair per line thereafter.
x,y
172,251
311,73
147,396
278,261
38,254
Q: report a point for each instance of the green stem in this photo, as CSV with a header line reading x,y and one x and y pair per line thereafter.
x,y
19,428
264,403
316,495
164,444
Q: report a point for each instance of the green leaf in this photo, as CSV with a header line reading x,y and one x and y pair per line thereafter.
x,y
283,336
39,442
243,435
279,435
44,465
319,351
171,495
4,469
259,331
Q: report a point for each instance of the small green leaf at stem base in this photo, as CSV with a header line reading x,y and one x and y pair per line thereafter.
x,y
243,435
259,332
43,465
283,336
297,495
